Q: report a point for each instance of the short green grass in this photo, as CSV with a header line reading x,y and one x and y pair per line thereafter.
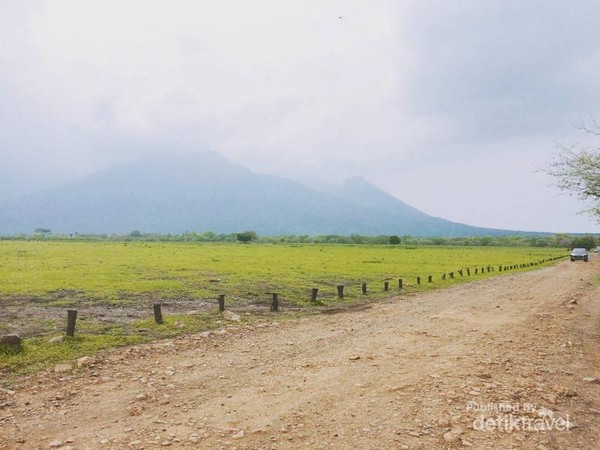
x,y
57,275
38,353
115,272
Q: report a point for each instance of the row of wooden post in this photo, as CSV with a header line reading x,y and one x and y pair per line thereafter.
x,y
158,318
221,299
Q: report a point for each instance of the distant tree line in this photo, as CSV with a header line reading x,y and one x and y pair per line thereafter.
x,y
555,240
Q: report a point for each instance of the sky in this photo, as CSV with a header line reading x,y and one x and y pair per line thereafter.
x,y
454,107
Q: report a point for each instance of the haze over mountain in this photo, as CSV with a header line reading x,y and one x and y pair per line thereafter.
x,y
207,192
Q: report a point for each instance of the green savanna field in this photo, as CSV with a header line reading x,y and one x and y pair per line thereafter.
x,y
114,284
114,272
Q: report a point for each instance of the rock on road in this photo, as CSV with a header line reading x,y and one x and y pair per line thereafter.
x,y
421,371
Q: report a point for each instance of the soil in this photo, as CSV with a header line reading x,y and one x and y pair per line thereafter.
x,y
40,316
423,371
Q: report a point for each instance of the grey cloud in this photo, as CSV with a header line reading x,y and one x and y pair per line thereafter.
x,y
496,68
394,91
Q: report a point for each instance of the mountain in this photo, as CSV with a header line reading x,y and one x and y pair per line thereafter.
x,y
207,192
409,219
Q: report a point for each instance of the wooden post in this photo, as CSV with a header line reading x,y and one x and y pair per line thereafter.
x,y
399,283
443,276
71,319
158,314
476,270
364,288
418,280
221,302
313,295
451,274
386,285
500,268
340,289
429,279
275,302
460,272
468,271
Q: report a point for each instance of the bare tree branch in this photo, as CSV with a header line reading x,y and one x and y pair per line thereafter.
x,y
577,169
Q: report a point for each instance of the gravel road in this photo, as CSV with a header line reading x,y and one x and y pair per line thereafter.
x,y
508,362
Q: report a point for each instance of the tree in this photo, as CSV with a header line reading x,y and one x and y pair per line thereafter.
x,y
394,240
357,239
485,241
209,236
247,236
438,241
577,170
587,242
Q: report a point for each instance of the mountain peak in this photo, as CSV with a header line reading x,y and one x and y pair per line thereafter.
x,y
205,191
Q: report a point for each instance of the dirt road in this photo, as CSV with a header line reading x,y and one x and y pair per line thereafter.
x,y
510,362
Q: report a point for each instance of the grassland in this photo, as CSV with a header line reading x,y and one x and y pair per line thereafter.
x,y
123,272
113,284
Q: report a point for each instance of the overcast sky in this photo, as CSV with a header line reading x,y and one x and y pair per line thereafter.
x,y
449,105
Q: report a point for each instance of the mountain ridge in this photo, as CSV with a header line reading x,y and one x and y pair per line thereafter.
x,y
205,191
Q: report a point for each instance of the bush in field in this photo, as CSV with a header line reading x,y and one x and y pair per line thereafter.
x,y
394,240
485,241
247,236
